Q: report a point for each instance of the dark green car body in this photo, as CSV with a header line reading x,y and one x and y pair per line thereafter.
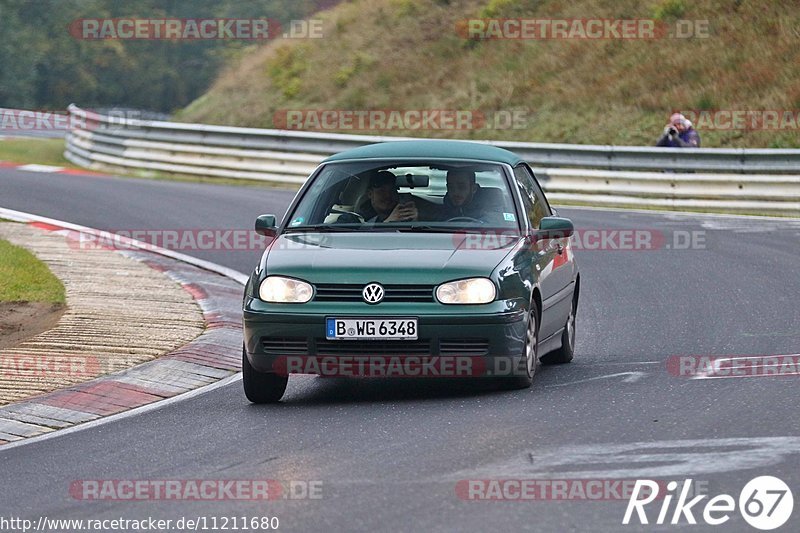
x,y
533,270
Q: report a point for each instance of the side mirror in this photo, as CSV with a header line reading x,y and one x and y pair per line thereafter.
x,y
555,227
266,226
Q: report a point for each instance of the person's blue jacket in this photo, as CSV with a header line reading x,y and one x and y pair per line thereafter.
x,y
689,138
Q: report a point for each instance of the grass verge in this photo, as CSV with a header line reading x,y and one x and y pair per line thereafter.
x,y
24,278
39,151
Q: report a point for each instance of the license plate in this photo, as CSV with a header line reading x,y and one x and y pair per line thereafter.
x,y
371,328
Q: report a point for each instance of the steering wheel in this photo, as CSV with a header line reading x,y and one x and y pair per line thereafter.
x,y
465,219
343,212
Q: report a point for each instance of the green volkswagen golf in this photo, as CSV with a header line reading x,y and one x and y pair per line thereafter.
x,y
412,259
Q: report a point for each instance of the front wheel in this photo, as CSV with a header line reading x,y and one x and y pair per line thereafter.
x,y
567,350
261,387
526,368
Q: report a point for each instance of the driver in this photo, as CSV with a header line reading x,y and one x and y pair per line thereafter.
x,y
385,201
462,198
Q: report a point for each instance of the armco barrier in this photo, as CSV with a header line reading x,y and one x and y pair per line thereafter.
x,y
751,180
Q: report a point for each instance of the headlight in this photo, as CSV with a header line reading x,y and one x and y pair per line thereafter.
x,y
467,291
280,290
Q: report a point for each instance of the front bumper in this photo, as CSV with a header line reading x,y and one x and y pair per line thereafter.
x,y
467,341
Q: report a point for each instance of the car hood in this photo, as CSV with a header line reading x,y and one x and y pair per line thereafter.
x,y
396,257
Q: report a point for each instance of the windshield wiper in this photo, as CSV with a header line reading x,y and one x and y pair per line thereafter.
x,y
322,228
427,228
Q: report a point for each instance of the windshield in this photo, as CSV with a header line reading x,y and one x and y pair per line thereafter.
x,y
424,196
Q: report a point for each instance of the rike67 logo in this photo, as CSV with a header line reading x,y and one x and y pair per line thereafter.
x,y
765,503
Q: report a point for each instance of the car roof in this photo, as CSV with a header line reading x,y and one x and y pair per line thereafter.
x,y
429,149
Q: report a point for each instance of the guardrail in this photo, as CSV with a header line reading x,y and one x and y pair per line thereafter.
x,y
751,180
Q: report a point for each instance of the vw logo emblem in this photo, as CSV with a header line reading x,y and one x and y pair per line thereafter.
x,y
373,293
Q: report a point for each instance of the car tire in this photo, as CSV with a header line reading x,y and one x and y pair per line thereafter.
x,y
261,387
528,363
567,351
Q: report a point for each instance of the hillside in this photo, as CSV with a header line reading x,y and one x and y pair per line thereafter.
x,y
408,55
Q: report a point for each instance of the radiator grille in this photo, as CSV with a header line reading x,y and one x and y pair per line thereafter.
x,y
339,292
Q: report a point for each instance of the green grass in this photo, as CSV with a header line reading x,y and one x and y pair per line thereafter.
x,y
24,278
39,151
397,54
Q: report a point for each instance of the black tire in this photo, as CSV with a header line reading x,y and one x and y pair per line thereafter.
x,y
528,363
261,387
567,351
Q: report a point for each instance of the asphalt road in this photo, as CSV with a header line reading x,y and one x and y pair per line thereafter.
x,y
389,454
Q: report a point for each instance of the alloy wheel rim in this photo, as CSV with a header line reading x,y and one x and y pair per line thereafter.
x,y
530,347
571,328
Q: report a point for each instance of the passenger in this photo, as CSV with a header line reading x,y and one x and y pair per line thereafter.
x,y
679,133
384,202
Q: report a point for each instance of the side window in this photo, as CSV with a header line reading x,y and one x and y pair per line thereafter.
x,y
532,196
